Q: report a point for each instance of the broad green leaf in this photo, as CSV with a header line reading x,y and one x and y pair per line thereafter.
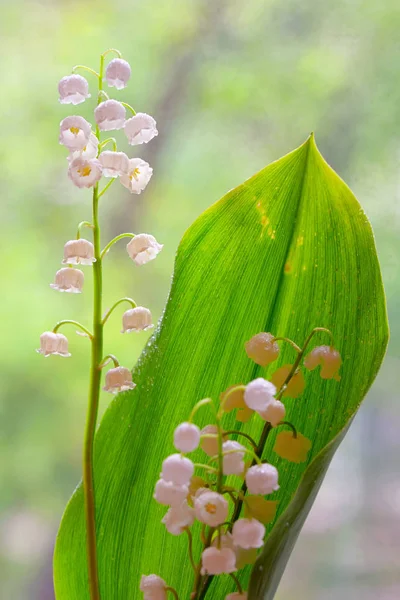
x,y
287,251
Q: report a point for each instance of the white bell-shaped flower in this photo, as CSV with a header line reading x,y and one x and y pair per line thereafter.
x,y
259,393
178,518
233,463
327,358
211,508
53,343
248,533
153,587
216,562
210,445
118,379
74,132
118,72
136,319
88,152
114,164
236,596
186,437
178,469
274,413
143,247
85,173
262,479
140,129
68,280
73,89
78,252
110,115
138,175
170,493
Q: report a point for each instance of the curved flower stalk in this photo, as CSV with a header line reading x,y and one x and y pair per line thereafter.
x,y
88,163
233,516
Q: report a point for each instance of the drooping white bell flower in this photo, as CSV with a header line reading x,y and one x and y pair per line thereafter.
x,y
211,508
78,252
143,247
259,393
153,587
237,596
216,562
210,445
118,72
178,469
88,152
138,175
53,343
274,413
110,115
186,437
68,280
327,358
118,379
262,479
233,463
73,89
136,319
140,129
85,173
248,533
170,493
178,518
114,164
74,132
262,348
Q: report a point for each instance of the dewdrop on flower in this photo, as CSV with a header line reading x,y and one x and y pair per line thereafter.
x,y
136,319
140,129
178,518
89,151
259,393
73,89
110,115
68,280
53,343
209,445
248,533
114,164
153,587
186,437
262,479
78,252
216,562
178,469
118,379
143,247
85,173
211,508
74,132
274,413
170,493
137,176
118,72
262,349
232,462
327,358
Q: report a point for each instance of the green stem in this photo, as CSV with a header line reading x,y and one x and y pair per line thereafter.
x,y
82,224
173,592
107,141
71,322
106,187
237,432
117,52
190,548
129,107
283,339
116,239
197,406
108,313
237,582
292,427
107,359
85,68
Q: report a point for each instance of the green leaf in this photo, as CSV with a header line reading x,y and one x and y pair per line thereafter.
x,y
287,251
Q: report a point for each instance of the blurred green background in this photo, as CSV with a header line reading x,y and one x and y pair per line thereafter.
x,y
232,85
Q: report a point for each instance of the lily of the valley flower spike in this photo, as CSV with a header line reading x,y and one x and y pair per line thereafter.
x,y
91,160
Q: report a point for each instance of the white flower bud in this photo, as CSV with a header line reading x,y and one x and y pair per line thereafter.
x,y
143,247
215,562
178,517
178,469
118,379
68,280
169,493
73,89
262,479
74,132
236,596
210,445
140,129
110,115
114,164
138,175
248,533
53,343
274,413
233,463
186,437
211,508
85,173
88,152
153,587
259,393
78,252
118,72
136,319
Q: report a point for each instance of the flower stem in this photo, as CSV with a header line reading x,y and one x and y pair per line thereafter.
x,y
129,107
112,242
108,313
105,188
71,322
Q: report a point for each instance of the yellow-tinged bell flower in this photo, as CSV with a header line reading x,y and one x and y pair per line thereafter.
x,y
236,401
262,349
327,358
296,385
292,448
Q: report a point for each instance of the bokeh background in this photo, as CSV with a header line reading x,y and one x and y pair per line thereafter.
x,y
233,85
